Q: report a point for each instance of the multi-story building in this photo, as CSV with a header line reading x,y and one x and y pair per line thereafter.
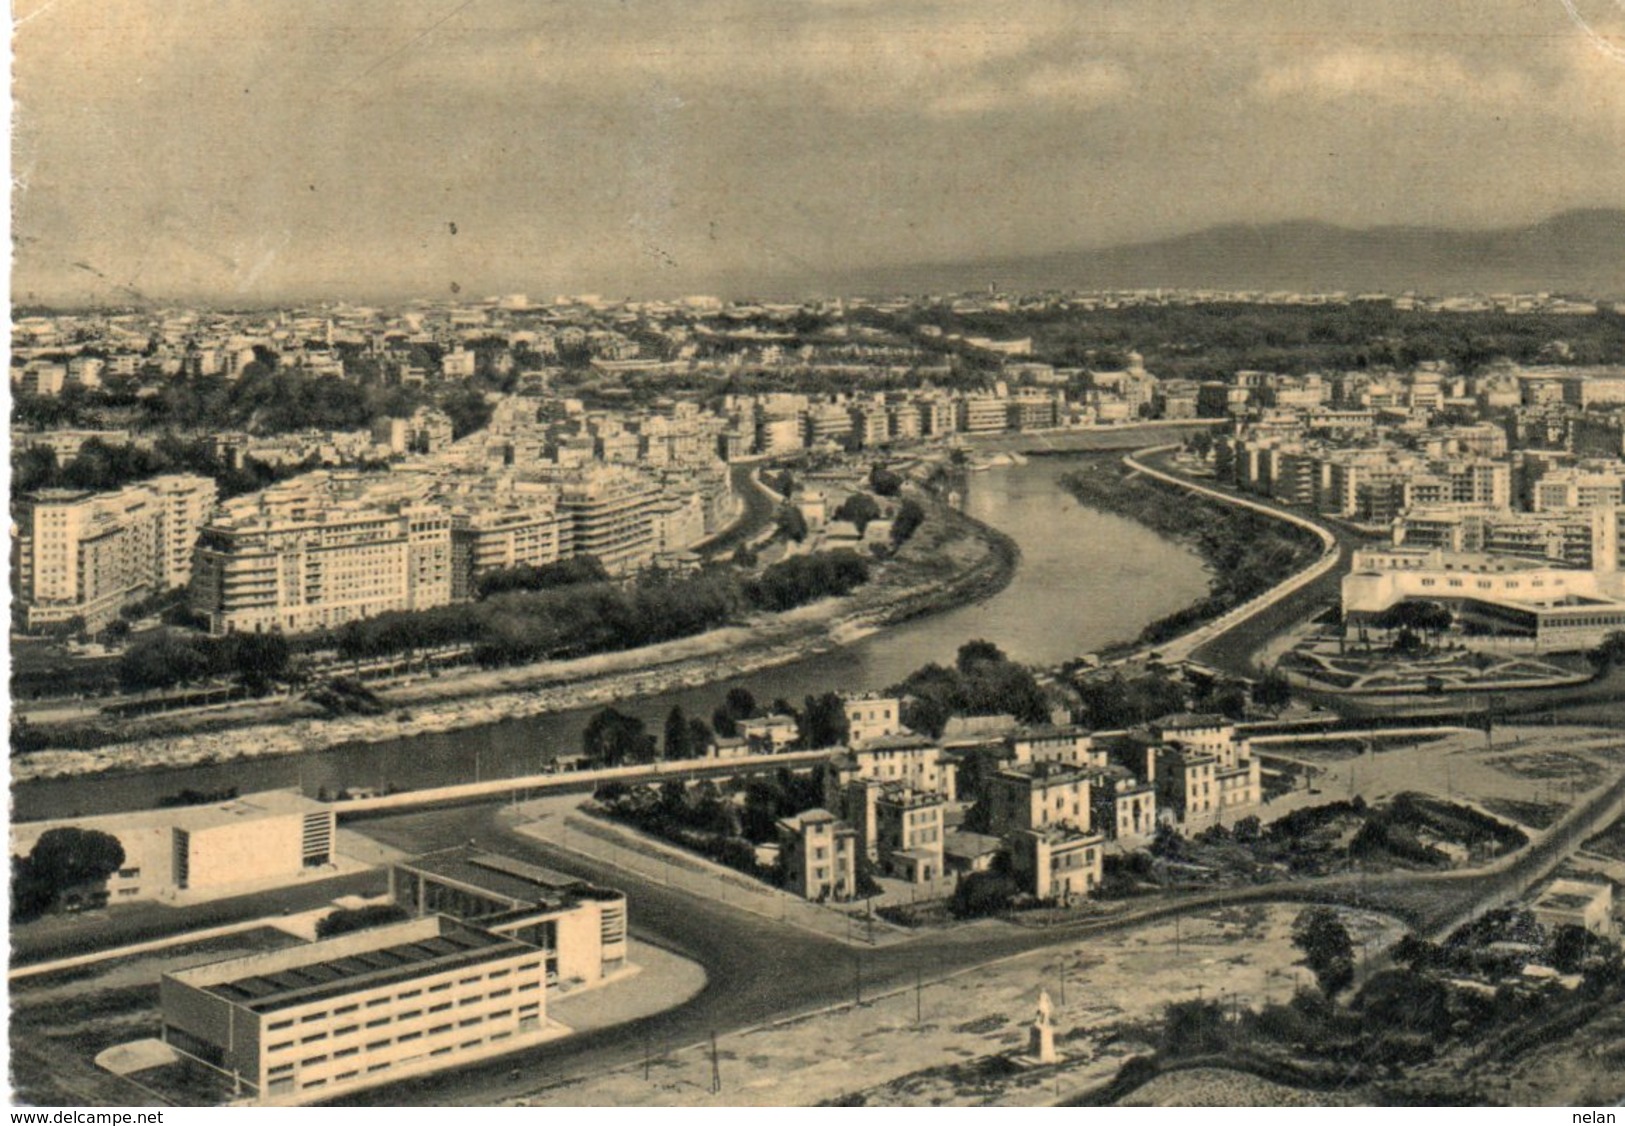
x,y
526,533
310,1022
247,843
828,423
982,414
1522,602
87,555
910,759
581,929
819,855
1069,745
1057,862
610,514
1123,807
908,833
938,416
872,717
1187,784
1592,486
1037,796
292,568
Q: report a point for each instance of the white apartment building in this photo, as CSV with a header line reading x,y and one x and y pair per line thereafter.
x,y
87,555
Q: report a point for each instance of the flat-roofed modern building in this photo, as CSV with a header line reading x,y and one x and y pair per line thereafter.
x,y
256,840
315,1021
580,929
1576,903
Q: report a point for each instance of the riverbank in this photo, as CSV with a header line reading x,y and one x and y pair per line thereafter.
x,y
951,561
1247,553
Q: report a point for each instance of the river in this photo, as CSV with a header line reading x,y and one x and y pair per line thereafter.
x,y
1086,579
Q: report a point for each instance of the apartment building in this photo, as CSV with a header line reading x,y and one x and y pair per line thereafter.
x,y
488,537
982,414
819,855
184,504
1057,862
872,716
610,515
906,758
1036,796
295,565
908,833
87,555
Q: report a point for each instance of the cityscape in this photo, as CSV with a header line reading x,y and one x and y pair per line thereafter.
x,y
957,675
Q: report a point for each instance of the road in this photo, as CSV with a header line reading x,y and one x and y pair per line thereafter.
x,y
1232,650
760,970
758,514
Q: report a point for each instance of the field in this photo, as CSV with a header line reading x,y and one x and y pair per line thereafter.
x,y
945,1043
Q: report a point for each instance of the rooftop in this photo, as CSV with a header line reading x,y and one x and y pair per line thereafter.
x,y
501,877
351,963
195,818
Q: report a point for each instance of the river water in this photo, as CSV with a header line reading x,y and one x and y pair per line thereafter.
x,y
1086,579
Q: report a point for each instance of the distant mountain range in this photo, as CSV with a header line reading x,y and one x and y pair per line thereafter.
x,y
1576,252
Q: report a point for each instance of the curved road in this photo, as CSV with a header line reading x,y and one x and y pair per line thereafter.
x,y
760,970
1232,649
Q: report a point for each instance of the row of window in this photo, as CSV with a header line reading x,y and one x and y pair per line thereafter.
x,y
278,1084
527,1012
410,994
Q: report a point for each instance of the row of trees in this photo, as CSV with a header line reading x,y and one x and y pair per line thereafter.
x,y
166,660
529,622
614,738
101,467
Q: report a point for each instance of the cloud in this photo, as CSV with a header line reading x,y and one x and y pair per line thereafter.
x,y
1084,85
1387,76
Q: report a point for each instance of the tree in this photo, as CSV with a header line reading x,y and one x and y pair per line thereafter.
x,y
679,735
347,920
884,482
1273,691
858,509
907,521
823,721
1327,947
975,654
1570,945
983,893
163,662
61,861
257,659
1610,653
740,703
615,739
791,524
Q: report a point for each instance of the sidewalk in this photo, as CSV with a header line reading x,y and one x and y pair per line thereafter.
x,y
555,821
654,980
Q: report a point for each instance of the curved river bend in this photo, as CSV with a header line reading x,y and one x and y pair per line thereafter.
x,y
1086,579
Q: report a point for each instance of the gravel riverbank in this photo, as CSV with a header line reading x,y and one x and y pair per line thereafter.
x,y
953,560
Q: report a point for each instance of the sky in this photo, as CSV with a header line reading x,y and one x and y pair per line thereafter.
x,y
244,151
